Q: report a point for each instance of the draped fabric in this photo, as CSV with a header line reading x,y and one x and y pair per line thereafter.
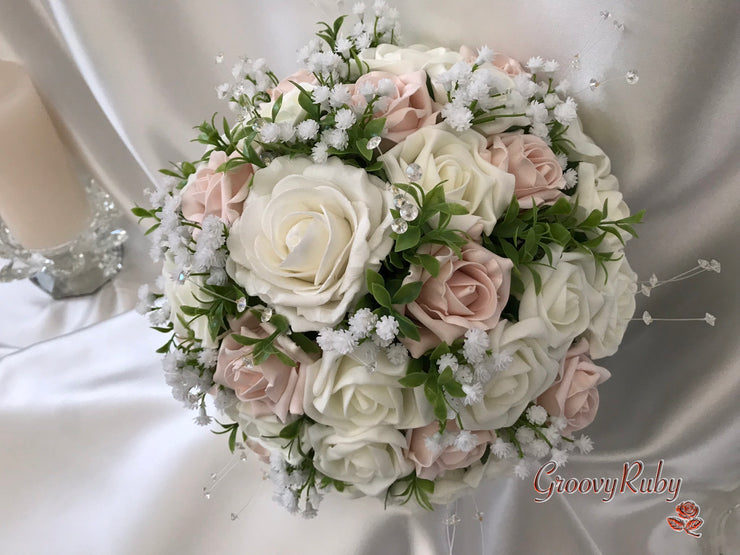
x,y
97,458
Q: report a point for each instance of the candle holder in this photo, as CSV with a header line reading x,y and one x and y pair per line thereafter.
x,y
78,267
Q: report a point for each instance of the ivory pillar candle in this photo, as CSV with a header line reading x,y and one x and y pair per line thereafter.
x,y
42,200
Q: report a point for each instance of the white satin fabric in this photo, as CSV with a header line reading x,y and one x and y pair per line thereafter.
x,y
97,458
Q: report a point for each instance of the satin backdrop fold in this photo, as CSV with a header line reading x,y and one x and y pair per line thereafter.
x,y
96,458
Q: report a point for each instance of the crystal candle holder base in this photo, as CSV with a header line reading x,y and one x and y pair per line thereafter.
x,y
79,267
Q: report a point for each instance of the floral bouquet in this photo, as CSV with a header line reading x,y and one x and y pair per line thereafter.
x,y
393,270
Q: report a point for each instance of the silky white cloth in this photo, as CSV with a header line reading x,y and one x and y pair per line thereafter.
x,y
97,458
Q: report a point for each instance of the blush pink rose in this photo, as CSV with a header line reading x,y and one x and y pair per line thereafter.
x,y
574,395
220,194
538,175
503,62
268,388
469,292
410,107
301,76
431,464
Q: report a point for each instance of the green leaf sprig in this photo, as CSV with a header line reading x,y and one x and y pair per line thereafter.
x,y
527,236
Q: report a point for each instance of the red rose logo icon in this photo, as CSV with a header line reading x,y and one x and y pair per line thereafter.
x,y
688,519
687,509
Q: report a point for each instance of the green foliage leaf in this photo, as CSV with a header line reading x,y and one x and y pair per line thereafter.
x,y
409,239
414,379
381,295
406,327
276,107
407,293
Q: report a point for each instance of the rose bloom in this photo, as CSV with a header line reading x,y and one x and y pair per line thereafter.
x,y
538,175
469,292
307,235
573,395
264,432
608,324
302,77
342,393
568,299
508,65
368,459
409,108
268,388
462,162
430,465
221,194
397,60
182,294
531,371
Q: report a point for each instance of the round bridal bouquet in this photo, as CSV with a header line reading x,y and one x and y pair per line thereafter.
x,y
391,273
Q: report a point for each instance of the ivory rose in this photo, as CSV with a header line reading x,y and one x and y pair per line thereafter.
x,y
573,395
307,235
568,298
608,324
409,108
221,194
268,388
397,60
342,393
265,430
469,292
369,459
186,293
461,161
531,371
430,464
593,191
538,175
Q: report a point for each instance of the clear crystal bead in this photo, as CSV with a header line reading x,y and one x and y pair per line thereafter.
x,y
710,319
258,124
206,493
373,142
399,200
645,289
619,25
267,314
248,362
632,76
409,211
219,58
593,84
399,226
214,476
575,62
479,515
452,520
715,266
182,276
605,15
234,516
703,264
647,318
413,171
241,304
243,456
